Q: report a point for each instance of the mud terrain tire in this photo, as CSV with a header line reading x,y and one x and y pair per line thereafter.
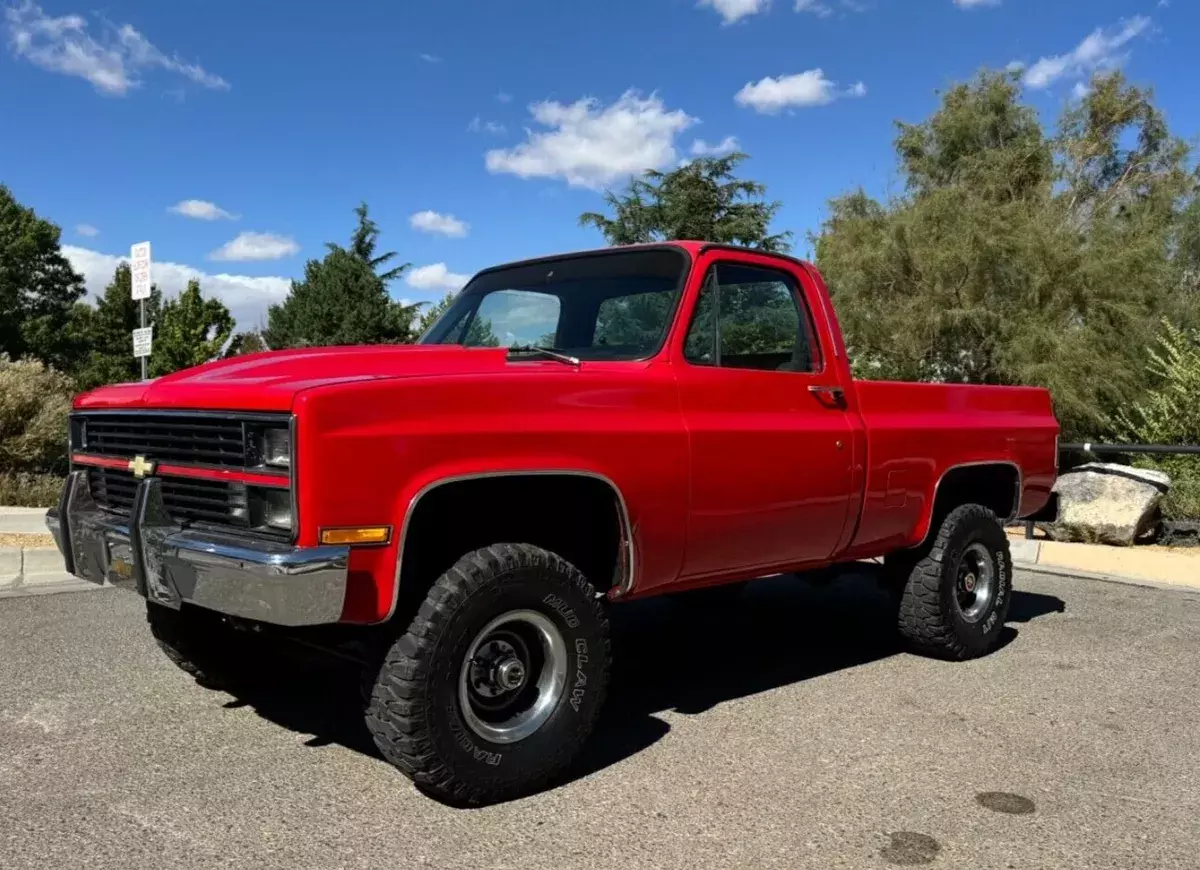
x,y
955,597
422,711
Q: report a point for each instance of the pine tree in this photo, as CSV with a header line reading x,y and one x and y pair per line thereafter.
x,y
343,299
701,200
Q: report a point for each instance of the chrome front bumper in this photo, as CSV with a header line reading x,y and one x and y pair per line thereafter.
x,y
170,565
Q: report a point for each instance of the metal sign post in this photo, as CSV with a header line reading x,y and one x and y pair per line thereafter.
x,y
139,256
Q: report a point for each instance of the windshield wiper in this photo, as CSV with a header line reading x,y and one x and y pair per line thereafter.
x,y
548,352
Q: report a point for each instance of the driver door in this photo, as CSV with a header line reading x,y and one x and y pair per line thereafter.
x,y
770,457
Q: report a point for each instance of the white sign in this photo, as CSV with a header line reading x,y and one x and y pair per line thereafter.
x,y
139,256
142,340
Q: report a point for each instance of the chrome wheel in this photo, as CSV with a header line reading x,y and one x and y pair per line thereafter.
x,y
976,584
512,676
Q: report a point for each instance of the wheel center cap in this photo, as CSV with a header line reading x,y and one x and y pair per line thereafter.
x,y
510,674
969,582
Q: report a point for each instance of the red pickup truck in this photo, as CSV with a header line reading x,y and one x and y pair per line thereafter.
x,y
574,432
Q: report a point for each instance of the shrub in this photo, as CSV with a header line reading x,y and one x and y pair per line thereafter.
x,y
1170,414
30,490
34,404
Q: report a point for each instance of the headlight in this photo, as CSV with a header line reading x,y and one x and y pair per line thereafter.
x,y
275,447
270,508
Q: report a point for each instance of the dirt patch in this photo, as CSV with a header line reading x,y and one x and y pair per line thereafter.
x,y
1006,802
908,848
13,539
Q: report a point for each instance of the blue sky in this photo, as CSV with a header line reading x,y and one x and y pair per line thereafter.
x,y
238,136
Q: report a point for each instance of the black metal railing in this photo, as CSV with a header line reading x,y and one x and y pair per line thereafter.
x,y
1091,449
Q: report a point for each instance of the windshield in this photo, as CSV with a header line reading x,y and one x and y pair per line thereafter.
x,y
610,306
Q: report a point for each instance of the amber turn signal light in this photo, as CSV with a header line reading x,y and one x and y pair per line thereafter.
x,y
357,535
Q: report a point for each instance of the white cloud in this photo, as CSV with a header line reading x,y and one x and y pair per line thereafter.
x,y
771,95
113,62
590,145
201,210
700,148
86,230
816,7
478,125
429,58
246,297
1101,49
975,4
733,10
255,246
825,8
503,97
435,276
429,221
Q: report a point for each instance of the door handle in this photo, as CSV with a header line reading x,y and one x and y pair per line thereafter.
x,y
836,393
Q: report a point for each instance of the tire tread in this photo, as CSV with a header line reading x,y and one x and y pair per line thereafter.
x,y
922,620
396,715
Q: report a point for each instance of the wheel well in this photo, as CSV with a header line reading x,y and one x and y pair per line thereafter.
x,y
580,518
995,486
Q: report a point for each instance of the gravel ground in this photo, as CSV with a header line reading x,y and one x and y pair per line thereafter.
x,y
788,733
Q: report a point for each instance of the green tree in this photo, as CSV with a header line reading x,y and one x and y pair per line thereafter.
x,y
343,299
106,332
190,330
701,200
247,342
38,287
478,335
430,313
1015,257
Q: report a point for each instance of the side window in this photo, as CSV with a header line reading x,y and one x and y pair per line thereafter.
x,y
762,323
513,317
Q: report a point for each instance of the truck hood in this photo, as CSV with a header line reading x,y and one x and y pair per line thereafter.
x,y
270,381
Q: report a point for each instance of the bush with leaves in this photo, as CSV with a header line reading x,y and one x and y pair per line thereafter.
x,y
1170,414
34,404
1021,255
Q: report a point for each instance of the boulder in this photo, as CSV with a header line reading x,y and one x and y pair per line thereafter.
x,y
1108,504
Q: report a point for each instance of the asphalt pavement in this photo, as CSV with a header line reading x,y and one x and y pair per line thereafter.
x,y
787,732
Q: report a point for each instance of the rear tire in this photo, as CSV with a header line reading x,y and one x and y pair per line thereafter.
x,y
497,683
955,597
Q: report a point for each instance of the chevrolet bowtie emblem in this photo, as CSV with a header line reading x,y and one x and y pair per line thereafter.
x,y
141,466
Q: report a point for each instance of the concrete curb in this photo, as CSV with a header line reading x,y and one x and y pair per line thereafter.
x,y
36,570
1141,567
1075,574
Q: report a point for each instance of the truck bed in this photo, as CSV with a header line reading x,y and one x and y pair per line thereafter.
x,y
915,433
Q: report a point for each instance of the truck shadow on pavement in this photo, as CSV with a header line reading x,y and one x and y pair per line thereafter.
x,y
781,631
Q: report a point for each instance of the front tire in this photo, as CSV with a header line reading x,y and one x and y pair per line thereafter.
x,y
497,683
955,597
